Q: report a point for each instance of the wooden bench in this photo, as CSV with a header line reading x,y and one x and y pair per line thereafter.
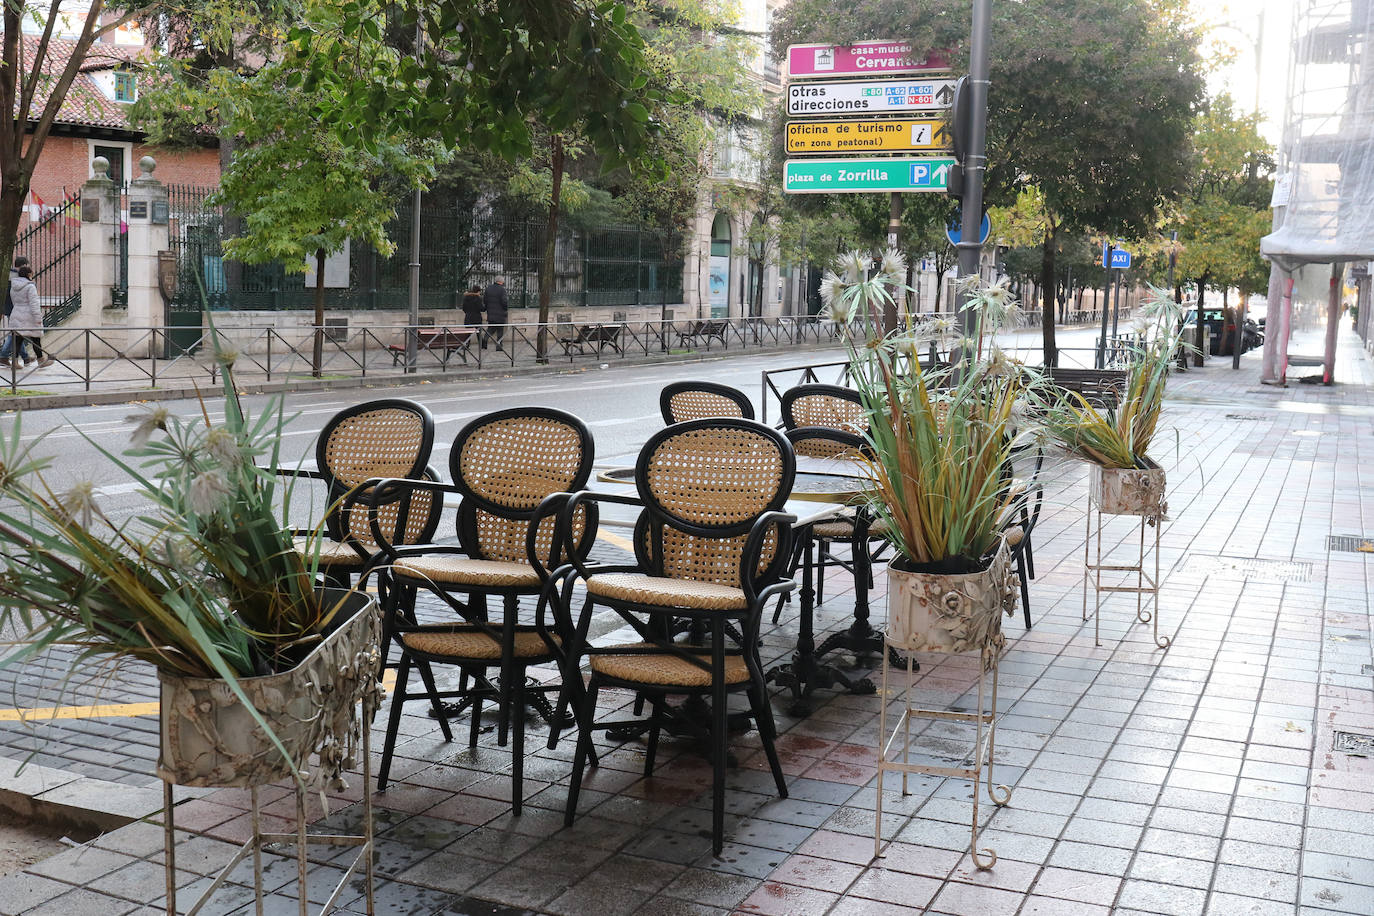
x,y
598,336
699,330
1101,388
442,340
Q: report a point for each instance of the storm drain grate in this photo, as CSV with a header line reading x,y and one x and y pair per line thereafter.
x,y
1351,743
1367,669
1244,416
1259,570
1351,543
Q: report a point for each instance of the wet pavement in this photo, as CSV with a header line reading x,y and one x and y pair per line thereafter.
x,y
1209,777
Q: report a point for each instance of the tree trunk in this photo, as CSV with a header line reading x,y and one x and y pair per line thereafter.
x,y
1200,331
1047,284
317,355
12,197
550,250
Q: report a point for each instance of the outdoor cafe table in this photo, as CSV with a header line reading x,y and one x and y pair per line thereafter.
x,y
823,490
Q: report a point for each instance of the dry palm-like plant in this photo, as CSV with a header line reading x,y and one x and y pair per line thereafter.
x,y
1120,437
206,584
941,438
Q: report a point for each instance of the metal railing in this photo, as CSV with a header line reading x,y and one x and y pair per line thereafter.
x,y
141,358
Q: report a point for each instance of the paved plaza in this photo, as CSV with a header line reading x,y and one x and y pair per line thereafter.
x,y
1227,774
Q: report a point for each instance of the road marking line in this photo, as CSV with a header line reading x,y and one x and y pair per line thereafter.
x,y
616,540
113,710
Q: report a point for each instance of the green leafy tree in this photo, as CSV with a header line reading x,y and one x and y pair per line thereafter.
x,y
1226,210
1096,117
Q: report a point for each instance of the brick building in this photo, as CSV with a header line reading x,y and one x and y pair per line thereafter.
x,y
93,121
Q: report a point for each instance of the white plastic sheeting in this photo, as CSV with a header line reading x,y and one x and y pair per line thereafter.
x,y
1329,139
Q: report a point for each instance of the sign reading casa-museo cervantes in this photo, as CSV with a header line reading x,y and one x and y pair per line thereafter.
x,y
851,105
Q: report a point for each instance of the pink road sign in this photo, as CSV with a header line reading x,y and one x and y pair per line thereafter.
x,y
862,59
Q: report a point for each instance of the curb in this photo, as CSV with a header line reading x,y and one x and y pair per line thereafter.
x,y
61,799
378,380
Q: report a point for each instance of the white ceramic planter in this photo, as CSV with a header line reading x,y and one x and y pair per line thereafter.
x,y
936,612
1129,491
210,739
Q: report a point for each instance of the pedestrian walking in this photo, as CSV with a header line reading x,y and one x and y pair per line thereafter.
x,y
7,347
26,318
497,306
472,312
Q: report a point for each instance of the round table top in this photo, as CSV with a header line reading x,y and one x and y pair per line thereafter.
x,y
812,486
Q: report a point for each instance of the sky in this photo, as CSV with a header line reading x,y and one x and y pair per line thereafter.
x,y
1235,25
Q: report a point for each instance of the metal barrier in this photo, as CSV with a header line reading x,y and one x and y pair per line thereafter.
x,y
128,358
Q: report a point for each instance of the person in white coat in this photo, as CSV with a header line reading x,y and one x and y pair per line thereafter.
x,y
26,319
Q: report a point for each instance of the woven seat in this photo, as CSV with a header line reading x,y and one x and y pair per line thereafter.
x,y
512,470
683,401
841,528
711,545
659,670
683,593
475,644
335,555
449,569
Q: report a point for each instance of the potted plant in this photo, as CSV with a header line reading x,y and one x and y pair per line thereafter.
x,y
261,672
1124,479
941,440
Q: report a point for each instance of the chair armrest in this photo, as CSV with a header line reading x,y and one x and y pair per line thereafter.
x,y
753,551
581,568
380,491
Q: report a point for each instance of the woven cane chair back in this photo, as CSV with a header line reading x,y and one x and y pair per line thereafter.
x,y
422,511
505,464
391,437
828,406
683,401
823,442
704,483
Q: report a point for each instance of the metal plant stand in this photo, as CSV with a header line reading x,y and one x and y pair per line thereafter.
x,y
954,614
300,838
1149,515
984,720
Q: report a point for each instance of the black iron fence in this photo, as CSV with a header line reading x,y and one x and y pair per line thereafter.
x,y
53,247
612,265
127,359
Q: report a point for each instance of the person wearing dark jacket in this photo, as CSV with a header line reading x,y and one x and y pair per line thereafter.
x,y
497,306
472,312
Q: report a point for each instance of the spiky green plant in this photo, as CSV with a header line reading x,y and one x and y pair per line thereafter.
x,y
941,437
1120,436
207,584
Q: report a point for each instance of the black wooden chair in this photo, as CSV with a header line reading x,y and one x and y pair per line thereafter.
x,y
512,469
711,544
682,401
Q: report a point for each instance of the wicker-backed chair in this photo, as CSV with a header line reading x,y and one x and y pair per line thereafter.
x,y
857,529
1021,526
390,437
711,543
512,469
826,406
683,401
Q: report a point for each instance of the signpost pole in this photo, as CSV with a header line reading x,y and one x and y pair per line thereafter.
x,y
894,226
1116,303
1106,306
413,300
975,161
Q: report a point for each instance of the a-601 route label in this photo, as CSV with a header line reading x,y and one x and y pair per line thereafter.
x,y
892,135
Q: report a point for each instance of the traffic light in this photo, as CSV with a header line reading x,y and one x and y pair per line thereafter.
x,y
960,118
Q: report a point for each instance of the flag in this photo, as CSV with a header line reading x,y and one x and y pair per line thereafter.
x,y
35,206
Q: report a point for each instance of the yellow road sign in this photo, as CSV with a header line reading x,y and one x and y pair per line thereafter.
x,y
888,135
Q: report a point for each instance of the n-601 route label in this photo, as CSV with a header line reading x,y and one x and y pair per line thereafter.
x,y
890,135
869,97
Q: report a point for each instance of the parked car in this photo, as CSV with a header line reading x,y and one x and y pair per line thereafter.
x,y
1221,331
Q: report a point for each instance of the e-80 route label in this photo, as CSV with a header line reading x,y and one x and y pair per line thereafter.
x,y
869,96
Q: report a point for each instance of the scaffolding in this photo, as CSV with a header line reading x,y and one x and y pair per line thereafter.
x,y
1322,201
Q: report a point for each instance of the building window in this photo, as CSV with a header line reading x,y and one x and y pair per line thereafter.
x,y
126,87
